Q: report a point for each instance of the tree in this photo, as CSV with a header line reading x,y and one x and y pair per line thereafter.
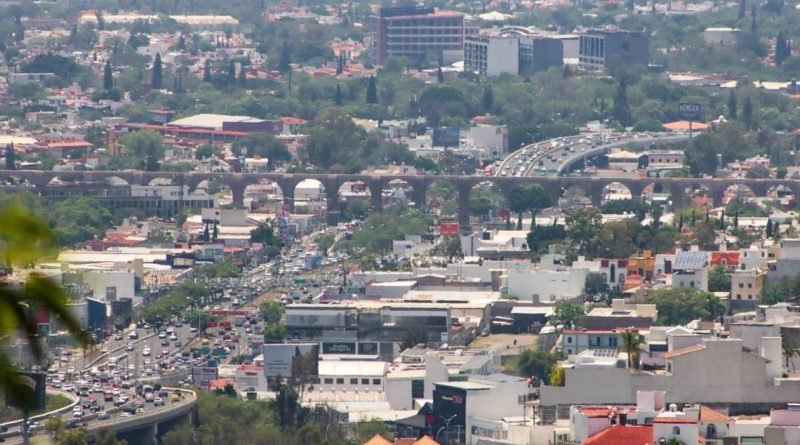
x,y
156,78
769,228
488,98
621,110
631,340
272,311
449,247
230,79
285,62
337,99
528,197
204,151
332,139
25,240
789,352
536,363
108,77
583,227
557,376
324,242
440,75
146,147
732,105
678,306
11,157
242,77
569,314
78,219
595,284
262,145
719,280
782,50
367,429
747,113
105,436
207,77
372,91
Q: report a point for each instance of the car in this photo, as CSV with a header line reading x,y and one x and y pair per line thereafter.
x,y
146,352
118,336
129,347
104,350
162,335
103,415
192,329
158,401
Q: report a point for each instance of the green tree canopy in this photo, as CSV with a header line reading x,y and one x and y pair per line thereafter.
x,y
678,306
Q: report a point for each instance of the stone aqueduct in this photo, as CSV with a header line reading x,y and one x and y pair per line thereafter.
x,y
553,186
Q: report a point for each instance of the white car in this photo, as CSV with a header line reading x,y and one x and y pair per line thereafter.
x,y
146,352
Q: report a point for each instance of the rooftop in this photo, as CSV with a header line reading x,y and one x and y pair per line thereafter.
x,y
622,435
210,121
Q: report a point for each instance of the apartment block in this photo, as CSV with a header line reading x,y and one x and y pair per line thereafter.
x,y
413,32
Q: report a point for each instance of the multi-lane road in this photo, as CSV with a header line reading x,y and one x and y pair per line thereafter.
x,y
554,156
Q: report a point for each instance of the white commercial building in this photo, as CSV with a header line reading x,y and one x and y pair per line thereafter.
x,y
721,36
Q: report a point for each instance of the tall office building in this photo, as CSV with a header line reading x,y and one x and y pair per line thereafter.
x,y
413,32
604,48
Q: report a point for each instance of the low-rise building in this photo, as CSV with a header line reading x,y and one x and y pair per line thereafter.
x,y
721,36
621,316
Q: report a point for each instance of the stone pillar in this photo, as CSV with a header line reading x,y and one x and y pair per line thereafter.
x,y
420,195
376,194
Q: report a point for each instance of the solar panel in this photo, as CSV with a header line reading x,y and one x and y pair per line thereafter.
x,y
690,260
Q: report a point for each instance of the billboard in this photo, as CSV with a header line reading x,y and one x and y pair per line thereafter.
x,y
202,376
446,137
30,394
450,228
338,347
288,359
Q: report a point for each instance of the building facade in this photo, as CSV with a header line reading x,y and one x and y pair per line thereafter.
x,y
511,54
413,32
600,49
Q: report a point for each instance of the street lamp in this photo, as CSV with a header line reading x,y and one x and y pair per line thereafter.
x,y
445,427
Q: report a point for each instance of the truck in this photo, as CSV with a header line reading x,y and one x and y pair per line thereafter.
x,y
238,320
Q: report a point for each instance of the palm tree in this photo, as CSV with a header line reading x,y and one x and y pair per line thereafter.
x,y
789,352
25,239
630,343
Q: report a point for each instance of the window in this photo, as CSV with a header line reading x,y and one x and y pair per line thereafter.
x,y
417,389
340,381
354,381
749,285
738,296
329,381
376,381
691,284
676,431
569,339
741,285
365,381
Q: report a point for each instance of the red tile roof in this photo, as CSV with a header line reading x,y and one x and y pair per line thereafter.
x,y
708,414
623,435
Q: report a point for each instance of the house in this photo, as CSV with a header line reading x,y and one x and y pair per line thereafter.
x,y
717,369
690,270
575,341
620,316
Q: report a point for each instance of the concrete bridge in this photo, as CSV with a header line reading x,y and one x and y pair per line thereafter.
x,y
553,186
